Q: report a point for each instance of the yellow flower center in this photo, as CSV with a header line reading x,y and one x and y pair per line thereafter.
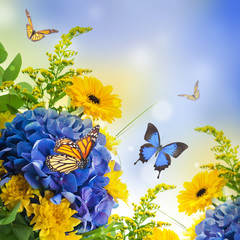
x,y
201,192
93,99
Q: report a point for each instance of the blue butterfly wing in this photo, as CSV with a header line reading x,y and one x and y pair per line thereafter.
x,y
174,149
164,160
146,152
152,135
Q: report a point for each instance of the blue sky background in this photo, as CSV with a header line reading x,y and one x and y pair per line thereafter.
x,y
148,51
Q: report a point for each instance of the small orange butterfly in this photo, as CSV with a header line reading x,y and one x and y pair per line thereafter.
x,y
195,95
73,155
36,36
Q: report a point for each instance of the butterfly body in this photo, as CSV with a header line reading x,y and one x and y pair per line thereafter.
x,y
195,94
162,153
36,35
72,155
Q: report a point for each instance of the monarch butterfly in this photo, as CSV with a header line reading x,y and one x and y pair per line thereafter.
x,y
73,155
195,95
32,34
162,153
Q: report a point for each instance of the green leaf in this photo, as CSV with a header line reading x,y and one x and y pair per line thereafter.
x,y
63,94
20,219
31,97
5,229
101,232
11,109
10,217
3,53
12,71
1,74
21,231
25,85
10,99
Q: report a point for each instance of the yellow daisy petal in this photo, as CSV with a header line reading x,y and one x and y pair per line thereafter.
x,y
199,193
97,100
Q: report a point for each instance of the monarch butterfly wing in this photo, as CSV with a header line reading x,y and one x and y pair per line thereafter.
x,y
185,95
152,135
61,163
37,36
86,143
146,152
67,147
29,31
196,94
29,18
196,87
47,31
163,161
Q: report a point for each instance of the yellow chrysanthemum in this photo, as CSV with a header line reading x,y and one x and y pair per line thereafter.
x,y
72,236
15,190
164,234
111,142
2,169
53,220
190,232
115,187
97,100
5,117
199,193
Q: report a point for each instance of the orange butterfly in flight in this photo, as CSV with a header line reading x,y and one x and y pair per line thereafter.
x,y
36,36
195,95
73,155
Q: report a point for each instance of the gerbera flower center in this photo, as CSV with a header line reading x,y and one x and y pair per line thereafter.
x,y
94,99
201,192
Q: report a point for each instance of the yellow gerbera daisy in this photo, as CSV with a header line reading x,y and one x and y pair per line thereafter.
x,y
111,142
97,100
164,234
15,190
199,193
190,232
53,220
115,187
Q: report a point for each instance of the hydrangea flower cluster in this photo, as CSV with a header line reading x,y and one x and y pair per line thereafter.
x,y
30,138
221,223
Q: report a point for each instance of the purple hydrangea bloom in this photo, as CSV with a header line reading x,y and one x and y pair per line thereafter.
x,y
221,223
31,137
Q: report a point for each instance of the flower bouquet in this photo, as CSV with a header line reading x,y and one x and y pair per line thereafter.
x,y
59,179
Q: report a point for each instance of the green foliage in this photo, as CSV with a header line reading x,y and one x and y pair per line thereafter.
x,y
7,77
12,71
103,232
48,83
3,53
53,81
229,164
141,225
12,225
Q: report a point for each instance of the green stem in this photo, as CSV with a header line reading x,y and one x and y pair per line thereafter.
x,y
181,225
121,131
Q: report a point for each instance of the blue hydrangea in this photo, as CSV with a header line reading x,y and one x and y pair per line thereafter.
x,y
221,223
31,137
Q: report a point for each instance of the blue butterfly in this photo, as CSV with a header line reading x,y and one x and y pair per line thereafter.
x,y
162,153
